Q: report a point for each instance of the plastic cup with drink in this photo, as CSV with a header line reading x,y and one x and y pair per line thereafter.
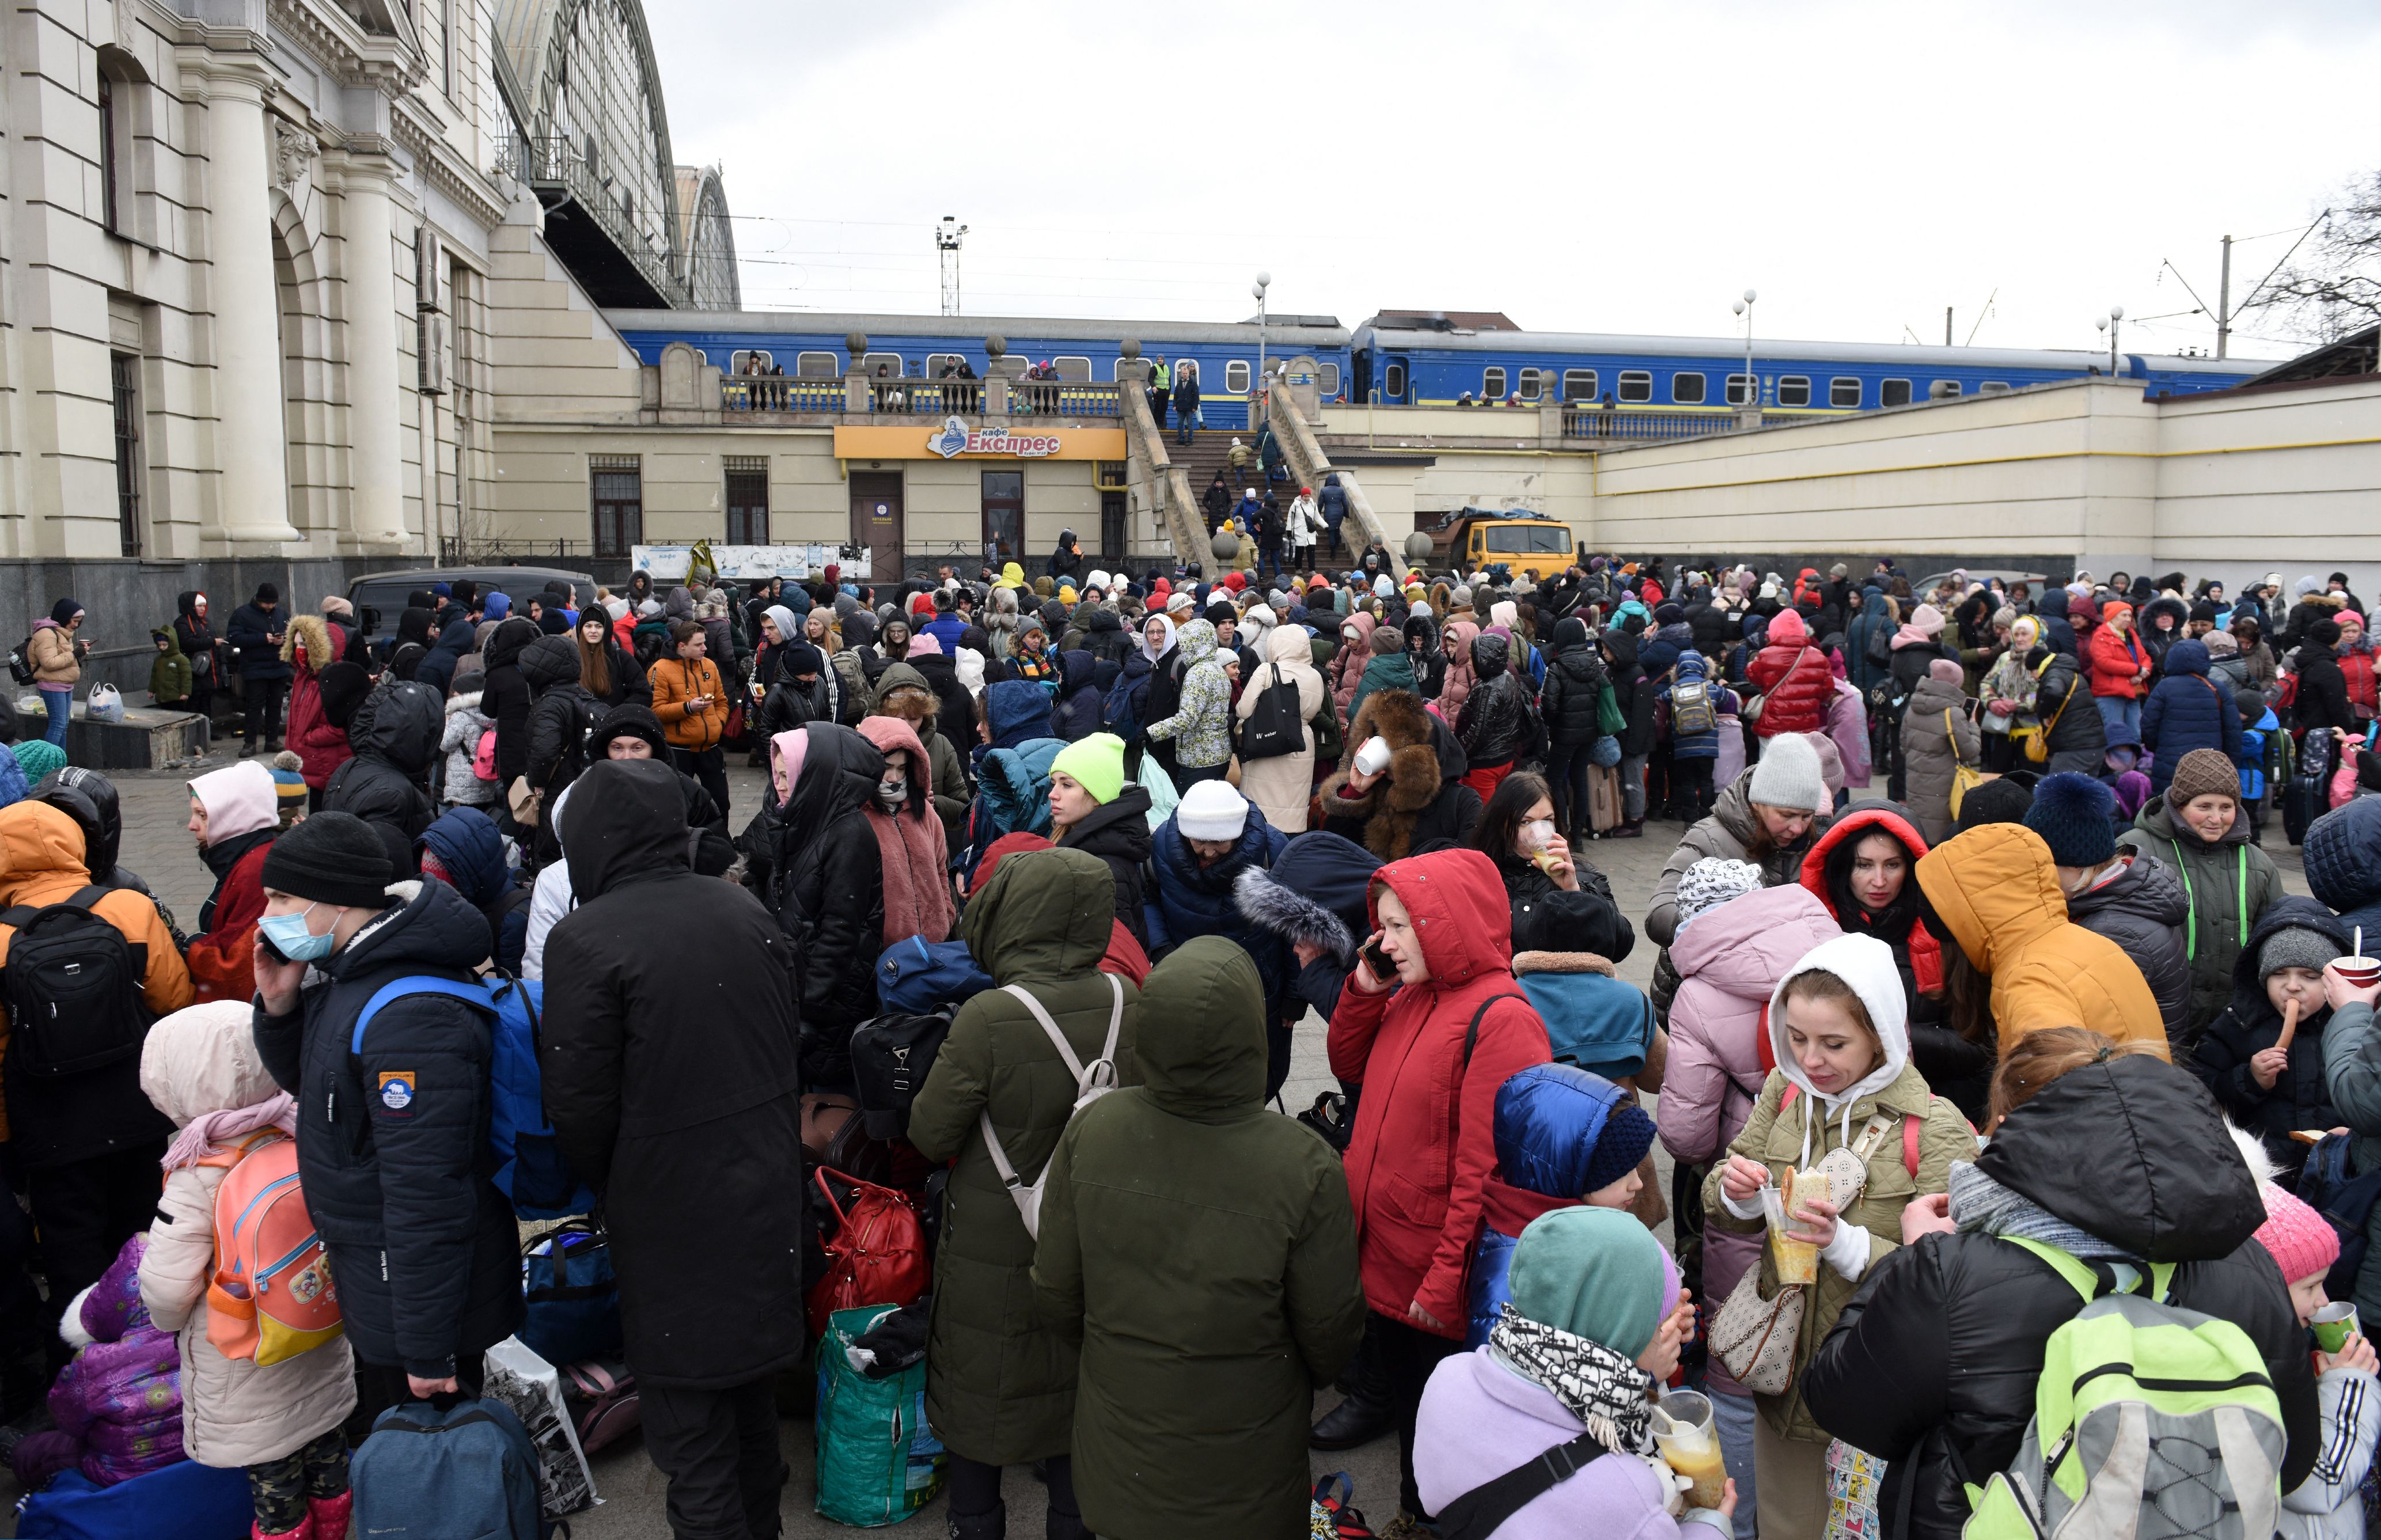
x,y
2334,1325
1797,1261
1684,1432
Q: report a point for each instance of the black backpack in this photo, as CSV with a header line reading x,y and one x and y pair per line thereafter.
x,y
20,661
890,1055
1274,727
73,986
1880,648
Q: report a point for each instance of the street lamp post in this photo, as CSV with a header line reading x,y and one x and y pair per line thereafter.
x,y
2112,323
1751,383
1265,281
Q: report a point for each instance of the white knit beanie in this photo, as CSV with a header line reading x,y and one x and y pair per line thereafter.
x,y
1212,809
1789,776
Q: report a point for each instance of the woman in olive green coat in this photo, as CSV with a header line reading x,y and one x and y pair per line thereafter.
x,y
1204,1251
1001,1388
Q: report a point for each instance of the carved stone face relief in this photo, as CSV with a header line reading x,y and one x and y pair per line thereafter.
x,y
293,153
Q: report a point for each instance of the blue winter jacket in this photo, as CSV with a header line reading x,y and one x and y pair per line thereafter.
x,y
467,846
1704,745
2342,856
1317,891
1189,900
1077,714
2187,711
1548,1118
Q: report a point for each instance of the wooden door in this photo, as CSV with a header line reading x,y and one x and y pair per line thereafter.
x,y
877,521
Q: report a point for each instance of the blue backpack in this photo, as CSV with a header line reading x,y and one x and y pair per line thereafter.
x,y
1120,711
572,1294
185,1500
529,1167
1593,1021
469,1470
916,977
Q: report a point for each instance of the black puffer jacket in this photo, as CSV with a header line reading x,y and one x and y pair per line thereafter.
x,y
395,734
702,813
669,1066
1117,832
504,697
814,863
2300,1097
1107,639
2073,731
1576,681
2323,690
561,716
1429,663
1499,718
2143,909
1635,694
1932,1365
402,1188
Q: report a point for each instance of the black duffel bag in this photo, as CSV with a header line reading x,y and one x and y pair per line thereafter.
x,y
890,1055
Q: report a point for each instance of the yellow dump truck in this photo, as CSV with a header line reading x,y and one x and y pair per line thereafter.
x,y
1477,539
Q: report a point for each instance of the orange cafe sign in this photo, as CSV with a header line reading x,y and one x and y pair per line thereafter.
x,y
954,439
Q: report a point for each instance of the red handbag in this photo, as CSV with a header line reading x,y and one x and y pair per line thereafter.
x,y
878,1255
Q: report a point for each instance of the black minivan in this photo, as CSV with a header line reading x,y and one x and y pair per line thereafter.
x,y
380,596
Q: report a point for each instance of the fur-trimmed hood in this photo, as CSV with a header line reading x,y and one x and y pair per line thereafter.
x,y
1562,963
315,633
1424,757
1315,892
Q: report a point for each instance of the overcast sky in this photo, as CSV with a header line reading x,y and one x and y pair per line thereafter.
x,y
1579,168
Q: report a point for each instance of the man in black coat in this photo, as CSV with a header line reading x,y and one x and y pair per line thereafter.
x,y
1932,1364
255,635
393,1140
669,1062
2322,687
395,734
505,698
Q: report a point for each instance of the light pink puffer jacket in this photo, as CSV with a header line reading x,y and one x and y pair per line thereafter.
x,y
1728,959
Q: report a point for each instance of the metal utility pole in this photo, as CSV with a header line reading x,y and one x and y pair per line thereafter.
x,y
1751,382
2224,301
947,241
1946,325
1257,291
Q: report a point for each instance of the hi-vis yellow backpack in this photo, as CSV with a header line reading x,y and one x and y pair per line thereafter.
x,y
271,1296
2149,1420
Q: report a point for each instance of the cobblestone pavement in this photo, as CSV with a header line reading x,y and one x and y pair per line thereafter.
x,y
156,846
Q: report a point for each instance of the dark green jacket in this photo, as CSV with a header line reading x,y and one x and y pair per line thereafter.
x,y
1203,1252
999,1387
2223,909
169,676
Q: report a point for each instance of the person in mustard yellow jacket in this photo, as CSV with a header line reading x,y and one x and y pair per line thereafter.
x,y
692,704
1994,890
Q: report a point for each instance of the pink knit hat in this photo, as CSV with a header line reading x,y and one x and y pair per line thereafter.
x,y
2301,1241
1947,671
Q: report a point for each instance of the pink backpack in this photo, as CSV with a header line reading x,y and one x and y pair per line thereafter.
x,y
484,758
271,1297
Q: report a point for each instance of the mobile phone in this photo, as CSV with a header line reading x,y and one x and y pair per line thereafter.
x,y
265,944
1378,959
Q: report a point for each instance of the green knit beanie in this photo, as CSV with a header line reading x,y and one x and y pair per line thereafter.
x,y
1596,1273
1096,762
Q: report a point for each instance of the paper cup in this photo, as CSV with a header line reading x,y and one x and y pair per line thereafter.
x,y
2361,971
2334,1325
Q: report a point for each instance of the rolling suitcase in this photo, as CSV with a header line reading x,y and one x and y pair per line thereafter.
x,y
1603,800
2306,796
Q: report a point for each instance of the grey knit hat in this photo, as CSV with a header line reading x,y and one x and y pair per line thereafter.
x,y
1712,882
2296,947
1789,776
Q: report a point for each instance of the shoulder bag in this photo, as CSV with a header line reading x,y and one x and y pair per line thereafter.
x,y
1965,778
1749,712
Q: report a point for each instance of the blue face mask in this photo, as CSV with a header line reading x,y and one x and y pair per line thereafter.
x,y
288,933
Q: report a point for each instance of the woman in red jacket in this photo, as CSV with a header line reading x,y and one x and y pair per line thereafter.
x,y
1793,677
1431,1045
2119,664
311,645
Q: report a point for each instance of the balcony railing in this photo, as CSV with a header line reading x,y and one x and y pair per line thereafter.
x,y
557,163
927,397
1062,399
779,393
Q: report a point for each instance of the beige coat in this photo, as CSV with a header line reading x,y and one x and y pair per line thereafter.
x,y
1282,787
53,656
199,1060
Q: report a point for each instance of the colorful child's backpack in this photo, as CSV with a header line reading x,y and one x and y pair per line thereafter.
x,y
484,758
271,1297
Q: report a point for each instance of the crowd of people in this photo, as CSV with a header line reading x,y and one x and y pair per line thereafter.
x,y
2031,1019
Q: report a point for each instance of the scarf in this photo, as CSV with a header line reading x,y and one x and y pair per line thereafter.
x,y
1604,1390
204,1133
220,858
910,852
1980,1203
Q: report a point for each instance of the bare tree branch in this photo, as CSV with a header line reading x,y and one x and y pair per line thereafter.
x,y
2333,286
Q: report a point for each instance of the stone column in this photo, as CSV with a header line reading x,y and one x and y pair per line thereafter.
x,y
375,463
252,497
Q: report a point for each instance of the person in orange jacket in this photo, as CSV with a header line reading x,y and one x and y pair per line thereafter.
x,y
692,704
89,1144
2120,666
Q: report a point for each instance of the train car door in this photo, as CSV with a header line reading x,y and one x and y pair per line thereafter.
x,y
876,521
1394,380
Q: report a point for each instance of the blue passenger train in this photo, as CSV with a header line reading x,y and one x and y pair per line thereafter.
x,y
1423,365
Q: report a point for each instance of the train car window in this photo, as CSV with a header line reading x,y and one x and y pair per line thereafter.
x,y
1579,384
1943,390
889,362
1687,390
1794,390
937,362
1532,384
1636,385
1329,383
1993,387
1844,390
1236,376
750,361
1077,369
816,366
1393,380
1491,384
1743,390
1894,393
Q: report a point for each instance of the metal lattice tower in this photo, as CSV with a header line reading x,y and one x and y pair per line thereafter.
x,y
947,241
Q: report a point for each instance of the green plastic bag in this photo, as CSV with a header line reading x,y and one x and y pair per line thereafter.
x,y
877,1461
